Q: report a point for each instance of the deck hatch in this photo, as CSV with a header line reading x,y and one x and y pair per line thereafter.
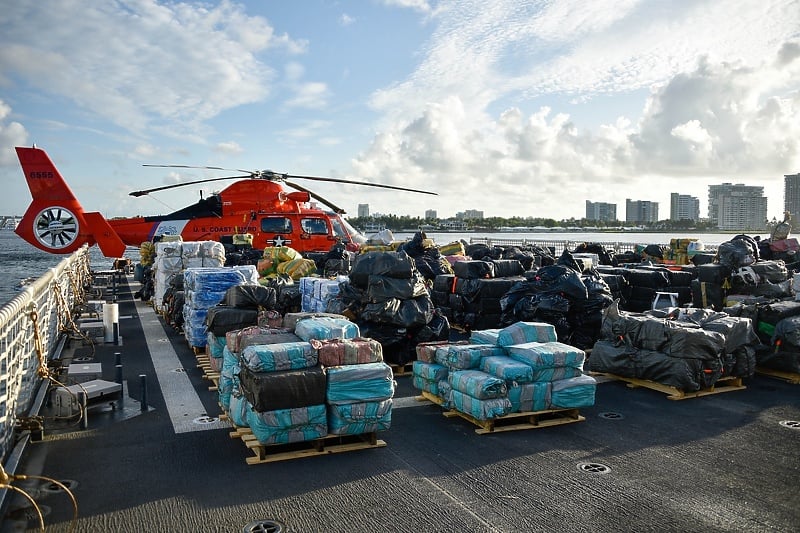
x,y
594,468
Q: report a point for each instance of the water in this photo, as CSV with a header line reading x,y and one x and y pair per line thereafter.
x,y
20,260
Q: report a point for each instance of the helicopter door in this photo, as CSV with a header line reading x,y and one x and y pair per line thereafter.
x,y
277,231
316,232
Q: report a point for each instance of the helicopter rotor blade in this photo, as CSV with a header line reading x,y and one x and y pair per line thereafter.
x,y
251,172
184,184
317,197
336,180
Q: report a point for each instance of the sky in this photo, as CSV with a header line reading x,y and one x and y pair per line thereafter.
x,y
510,107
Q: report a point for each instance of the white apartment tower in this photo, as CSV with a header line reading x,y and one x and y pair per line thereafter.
x,y
737,207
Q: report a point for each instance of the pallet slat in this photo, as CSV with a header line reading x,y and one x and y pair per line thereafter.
x,y
725,384
791,377
520,421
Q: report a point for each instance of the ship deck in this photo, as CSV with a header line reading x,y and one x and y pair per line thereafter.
x,y
720,462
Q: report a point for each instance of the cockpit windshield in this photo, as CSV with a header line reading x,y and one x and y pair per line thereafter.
x,y
347,232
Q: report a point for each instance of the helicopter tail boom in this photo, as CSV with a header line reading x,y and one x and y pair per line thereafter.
x,y
55,221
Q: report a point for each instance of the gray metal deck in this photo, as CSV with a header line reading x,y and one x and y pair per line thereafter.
x,y
717,463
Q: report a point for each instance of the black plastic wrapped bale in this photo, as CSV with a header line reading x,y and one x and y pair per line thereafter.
x,y
740,251
269,391
391,264
769,316
382,288
706,294
250,296
657,279
444,283
222,319
505,268
474,269
778,359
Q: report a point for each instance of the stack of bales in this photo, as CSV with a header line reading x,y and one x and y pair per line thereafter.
x,y
427,258
240,307
387,297
521,368
173,257
689,353
316,294
563,295
284,261
737,273
204,288
471,295
285,395
643,281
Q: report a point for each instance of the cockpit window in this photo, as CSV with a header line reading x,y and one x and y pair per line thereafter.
x,y
347,232
276,225
314,226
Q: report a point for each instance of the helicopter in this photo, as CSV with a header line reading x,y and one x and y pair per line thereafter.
x,y
257,203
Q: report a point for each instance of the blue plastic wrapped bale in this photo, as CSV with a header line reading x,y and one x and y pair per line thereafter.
x,y
478,384
479,409
574,392
358,418
426,351
523,332
212,279
426,376
423,384
504,367
370,382
429,371
484,336
250,336
228,377
547,354
286,389
284,356
239,407
215,345
321,328
465,356
249,272
556,373
204,299
529,397
194,326
289,425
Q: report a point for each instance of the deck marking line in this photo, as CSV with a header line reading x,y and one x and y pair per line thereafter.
x,y
183,403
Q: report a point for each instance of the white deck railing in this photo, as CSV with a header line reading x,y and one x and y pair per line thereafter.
x,y
32,326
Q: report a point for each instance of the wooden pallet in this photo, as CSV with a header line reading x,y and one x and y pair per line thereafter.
x,y
791,377
402,370
426,396
725,384
519,421
270,453
204,364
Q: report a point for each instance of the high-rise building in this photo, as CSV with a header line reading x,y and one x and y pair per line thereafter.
x,y
791,195
684,207
641,211
470,214
601,211
430,214
737,207
363,210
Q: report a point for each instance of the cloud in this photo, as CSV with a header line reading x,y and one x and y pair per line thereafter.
x,y
12,134
142,64
718,121
229,148
346,20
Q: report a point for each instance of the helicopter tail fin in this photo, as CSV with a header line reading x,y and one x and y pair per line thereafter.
x,y
55,221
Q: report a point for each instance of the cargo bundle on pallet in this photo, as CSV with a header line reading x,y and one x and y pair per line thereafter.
x,y
173,257
205,287
275,390
687,354
518,377
387,297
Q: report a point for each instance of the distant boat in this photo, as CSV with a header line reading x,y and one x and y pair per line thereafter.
x,y
373,227
9,223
